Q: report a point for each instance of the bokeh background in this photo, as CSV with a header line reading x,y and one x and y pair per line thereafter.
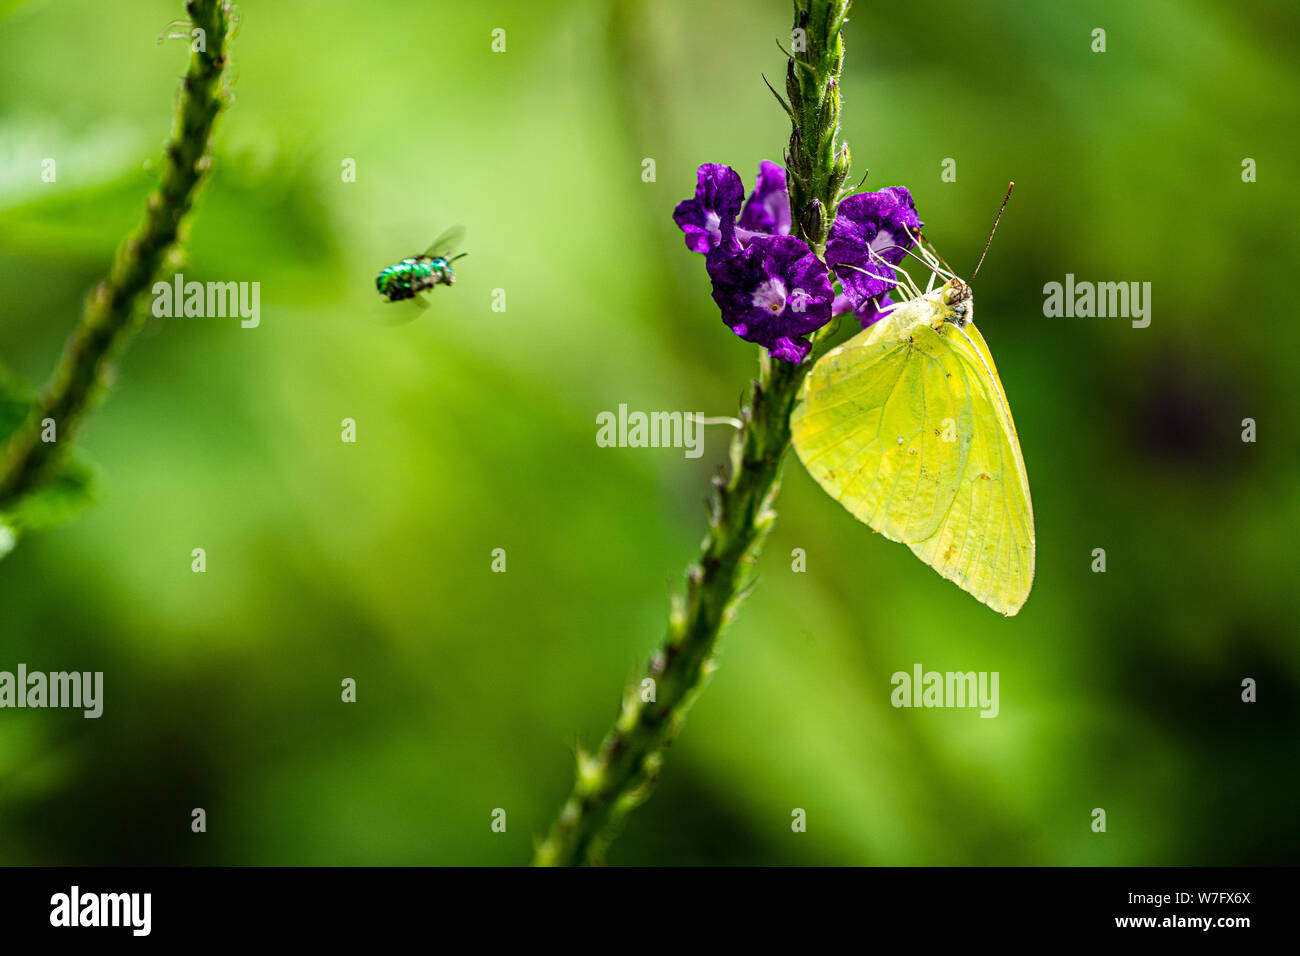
x,y
476,430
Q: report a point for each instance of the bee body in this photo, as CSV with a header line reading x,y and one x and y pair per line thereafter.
x,y
415,274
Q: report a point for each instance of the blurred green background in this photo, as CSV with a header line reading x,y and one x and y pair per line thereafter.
x,y
476,431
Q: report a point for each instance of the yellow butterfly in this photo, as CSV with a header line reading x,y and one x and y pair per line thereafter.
x,y
907,425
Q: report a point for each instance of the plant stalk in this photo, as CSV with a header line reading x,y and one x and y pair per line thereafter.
x,y
622,772
109,320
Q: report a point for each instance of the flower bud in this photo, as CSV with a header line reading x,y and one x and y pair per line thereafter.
x,y
840,171
814,221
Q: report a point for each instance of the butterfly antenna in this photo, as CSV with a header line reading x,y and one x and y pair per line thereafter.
x,y
908,252
928,247
927,244
928,250
1010,186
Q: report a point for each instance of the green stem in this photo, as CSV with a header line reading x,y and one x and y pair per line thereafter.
x,y
622,772
109,320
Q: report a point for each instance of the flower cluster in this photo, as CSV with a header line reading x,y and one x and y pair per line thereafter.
x,y
771,286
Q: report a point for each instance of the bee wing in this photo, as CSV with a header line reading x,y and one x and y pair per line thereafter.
x,y
445,243
403,311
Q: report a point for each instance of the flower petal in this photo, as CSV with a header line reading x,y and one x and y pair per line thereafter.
x,y
772,292
709,219
767,211
873,310
790,350
868,238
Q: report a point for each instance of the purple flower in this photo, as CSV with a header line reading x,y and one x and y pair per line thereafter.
x,y
709,220
767,210
869,313
772,292
873,310
868,238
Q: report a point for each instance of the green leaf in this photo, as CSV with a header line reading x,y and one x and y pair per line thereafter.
x,y
64,494
61,497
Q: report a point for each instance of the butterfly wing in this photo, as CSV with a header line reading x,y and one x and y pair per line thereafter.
x,y
985,543
861,431
909,429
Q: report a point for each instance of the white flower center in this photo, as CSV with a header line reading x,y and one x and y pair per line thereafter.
x,y
713,223
770,295
884,239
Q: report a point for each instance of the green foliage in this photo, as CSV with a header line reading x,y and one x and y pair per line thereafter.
x,y
109,319
60,495
372,560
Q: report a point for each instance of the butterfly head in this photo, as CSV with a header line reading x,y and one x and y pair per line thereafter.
x,y
956,296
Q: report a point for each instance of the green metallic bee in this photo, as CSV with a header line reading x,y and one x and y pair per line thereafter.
x,y
416,274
